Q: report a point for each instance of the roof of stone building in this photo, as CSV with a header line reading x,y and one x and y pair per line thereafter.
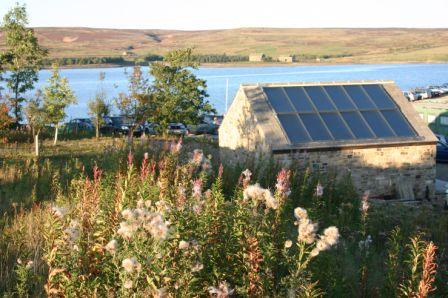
x,y
332,115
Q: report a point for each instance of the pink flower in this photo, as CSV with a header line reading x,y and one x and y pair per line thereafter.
x,y
176,147
197,188
245,177
282,185
319,190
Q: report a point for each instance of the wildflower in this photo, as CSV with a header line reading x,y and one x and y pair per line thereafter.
x,y
59,212
112,246
197,208
300,213
127,214
176,147
128,284
282,185
72,231
288,243
206,165
222,291
253,192
258,194
127,230
319,190
157,227
162,206
246,176
220,170
197,188
327,240
198,267
160,293
307,231
198,157
183,244
130,265
365,203
270,200
29,264
146,155
140,204
130,158
208,194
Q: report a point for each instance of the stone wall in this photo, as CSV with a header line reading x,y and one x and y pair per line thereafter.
x,y
384,172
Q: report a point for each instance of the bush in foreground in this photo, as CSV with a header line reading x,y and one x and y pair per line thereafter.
x,y
163,227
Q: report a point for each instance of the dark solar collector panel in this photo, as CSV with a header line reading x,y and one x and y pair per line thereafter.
x,y
337,112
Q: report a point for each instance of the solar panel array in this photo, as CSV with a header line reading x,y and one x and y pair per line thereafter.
x,y
337,112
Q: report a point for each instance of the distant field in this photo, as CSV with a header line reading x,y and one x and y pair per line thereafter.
x,y
338,45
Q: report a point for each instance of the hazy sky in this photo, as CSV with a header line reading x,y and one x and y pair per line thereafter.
x,y
210,14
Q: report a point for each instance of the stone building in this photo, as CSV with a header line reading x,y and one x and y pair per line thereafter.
x,y
256,57
366,128
286,59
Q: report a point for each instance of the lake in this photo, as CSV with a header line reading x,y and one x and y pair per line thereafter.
x,y
85,81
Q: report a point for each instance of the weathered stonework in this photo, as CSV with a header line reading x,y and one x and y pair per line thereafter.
x,y
378,170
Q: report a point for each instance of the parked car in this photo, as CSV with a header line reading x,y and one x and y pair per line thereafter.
x,y
177,129
411,96
424,93
435,91
442,138
79,125
147,128
116,125
442,152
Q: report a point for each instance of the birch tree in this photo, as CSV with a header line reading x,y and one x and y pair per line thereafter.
x,y
57,96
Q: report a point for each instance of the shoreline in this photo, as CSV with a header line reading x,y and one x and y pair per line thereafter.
x,y
257,64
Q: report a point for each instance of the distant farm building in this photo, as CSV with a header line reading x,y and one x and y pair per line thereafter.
x,y
434,112
286,59
257,57
365,129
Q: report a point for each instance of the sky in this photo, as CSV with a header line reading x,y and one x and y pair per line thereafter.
x,y
212,14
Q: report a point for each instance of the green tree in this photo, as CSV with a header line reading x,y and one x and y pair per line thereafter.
x,y
37,117
57,96
22,58
99,107
178,94
138,103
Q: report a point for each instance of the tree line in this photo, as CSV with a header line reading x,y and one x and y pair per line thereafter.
x,y
174,94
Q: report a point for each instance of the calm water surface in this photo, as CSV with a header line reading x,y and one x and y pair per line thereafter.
x,y
85,81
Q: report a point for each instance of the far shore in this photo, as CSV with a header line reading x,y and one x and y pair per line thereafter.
x,y
261,64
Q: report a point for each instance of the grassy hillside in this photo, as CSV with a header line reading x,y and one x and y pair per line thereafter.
x,y
341,45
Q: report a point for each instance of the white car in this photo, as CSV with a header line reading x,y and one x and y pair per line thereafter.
x,y
423,93
410,96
